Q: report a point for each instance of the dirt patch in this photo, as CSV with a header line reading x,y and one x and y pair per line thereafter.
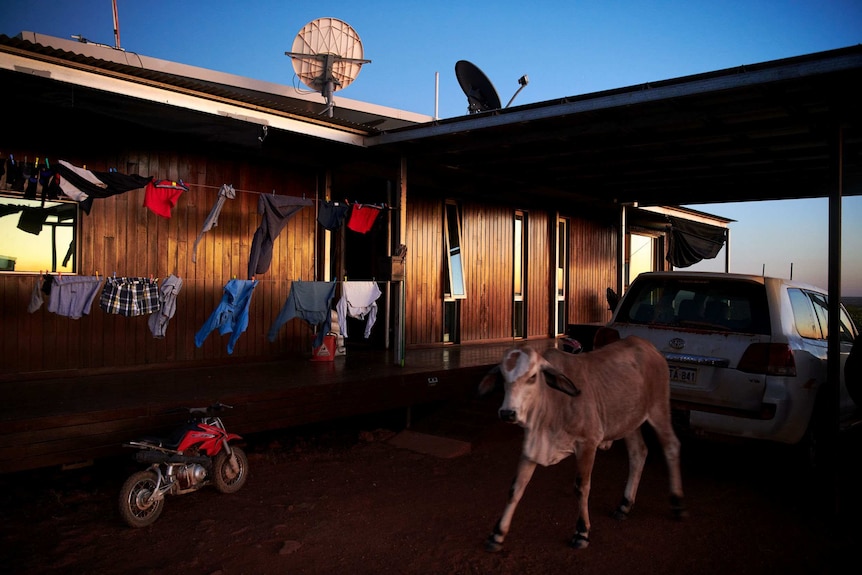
x,y
344,499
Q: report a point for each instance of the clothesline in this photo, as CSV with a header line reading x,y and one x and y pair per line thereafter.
x,y
381,205
44,162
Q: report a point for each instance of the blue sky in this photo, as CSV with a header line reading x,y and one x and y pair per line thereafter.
x,y
565,47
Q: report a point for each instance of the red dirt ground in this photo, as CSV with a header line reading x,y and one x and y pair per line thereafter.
x,y
343,499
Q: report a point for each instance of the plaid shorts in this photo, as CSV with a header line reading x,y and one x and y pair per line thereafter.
x,y
130,296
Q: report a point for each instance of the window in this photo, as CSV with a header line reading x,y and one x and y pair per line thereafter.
x,y
454,286
803,315
455,264
561,275
519,317
38,236
813,322
714,305
643,248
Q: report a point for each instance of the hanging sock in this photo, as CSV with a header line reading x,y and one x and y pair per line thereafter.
x,y
36,299
225,193
158,322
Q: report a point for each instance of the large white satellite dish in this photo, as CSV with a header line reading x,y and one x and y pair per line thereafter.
x,y
327,56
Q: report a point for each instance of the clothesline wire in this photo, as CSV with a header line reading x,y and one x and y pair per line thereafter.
x,y
211,187
188,279
208,186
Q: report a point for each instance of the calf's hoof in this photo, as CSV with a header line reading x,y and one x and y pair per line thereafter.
x,y
492,546
677,508
623,509
579,541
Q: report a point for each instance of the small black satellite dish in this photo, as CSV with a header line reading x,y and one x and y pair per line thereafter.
x,y
480,92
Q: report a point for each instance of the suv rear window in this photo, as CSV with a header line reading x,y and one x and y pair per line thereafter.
x,y
712,305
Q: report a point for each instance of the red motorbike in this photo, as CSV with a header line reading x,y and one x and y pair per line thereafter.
x,y
197,454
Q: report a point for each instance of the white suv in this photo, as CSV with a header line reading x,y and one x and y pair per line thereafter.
x,y
747,354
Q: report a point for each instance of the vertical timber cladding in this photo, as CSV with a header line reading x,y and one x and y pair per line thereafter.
x,y
541,272
487,252
424,271
592,269
121,235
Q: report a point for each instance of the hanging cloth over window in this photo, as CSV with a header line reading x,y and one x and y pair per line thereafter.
x,y
691,242
276,211
331,215
85,185
362,218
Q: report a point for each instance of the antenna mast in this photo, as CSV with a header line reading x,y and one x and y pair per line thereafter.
x,y
116,25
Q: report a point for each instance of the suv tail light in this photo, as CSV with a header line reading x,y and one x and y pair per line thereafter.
x,y
768,359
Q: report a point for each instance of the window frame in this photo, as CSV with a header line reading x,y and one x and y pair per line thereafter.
x,y
66,216
454,254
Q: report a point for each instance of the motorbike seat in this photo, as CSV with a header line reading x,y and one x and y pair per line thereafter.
x,y
172,442
160,442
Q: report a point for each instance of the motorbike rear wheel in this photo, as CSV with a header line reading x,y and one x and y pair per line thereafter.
x,y
230,471
136,508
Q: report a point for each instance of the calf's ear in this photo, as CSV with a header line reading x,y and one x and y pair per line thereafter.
x,y
490,381
557,379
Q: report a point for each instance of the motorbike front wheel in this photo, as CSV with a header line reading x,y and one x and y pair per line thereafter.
x,y
136,507
230,471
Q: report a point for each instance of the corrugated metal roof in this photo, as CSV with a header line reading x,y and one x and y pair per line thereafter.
x,y
266,96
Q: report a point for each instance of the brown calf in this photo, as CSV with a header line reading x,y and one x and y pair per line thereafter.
x,y
575,404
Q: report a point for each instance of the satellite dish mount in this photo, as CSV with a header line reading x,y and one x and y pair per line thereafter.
x,y
327,57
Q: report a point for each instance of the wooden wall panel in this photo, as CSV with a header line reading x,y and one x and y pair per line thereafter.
x,y
424,271
540,273
593,264
486,313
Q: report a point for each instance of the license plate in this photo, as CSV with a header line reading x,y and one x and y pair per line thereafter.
x,y
686,375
